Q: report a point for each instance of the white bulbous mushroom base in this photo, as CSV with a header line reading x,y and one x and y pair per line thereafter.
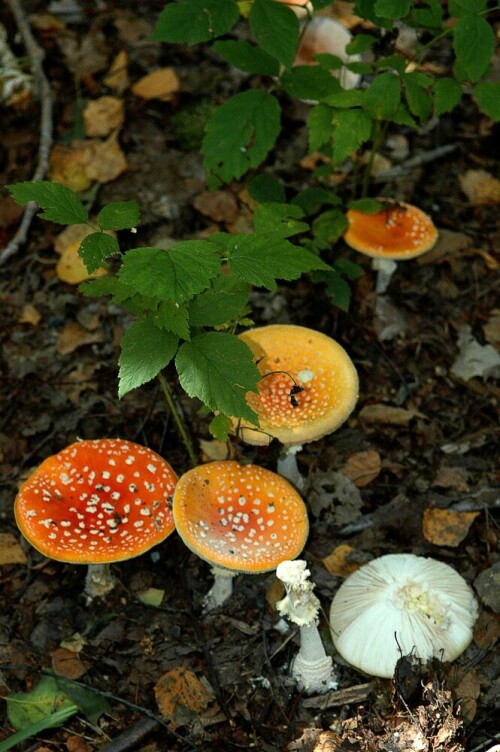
x,y
221,590
312,668
98,582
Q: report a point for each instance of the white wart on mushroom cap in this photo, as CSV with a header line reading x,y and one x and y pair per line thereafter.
x,y
401,603
290,356
239,517
97,501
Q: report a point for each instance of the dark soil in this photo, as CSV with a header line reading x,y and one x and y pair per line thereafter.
x,y
439,452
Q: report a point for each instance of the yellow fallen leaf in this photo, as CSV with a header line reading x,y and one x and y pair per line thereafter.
x,y
67,166
30,315
443,527
338,562
216,450
160,84
394,416
363,467
10,550
104,160
71,269
117,77
181,696
101,116
480,187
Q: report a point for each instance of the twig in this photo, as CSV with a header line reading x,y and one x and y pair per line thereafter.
x,y
132,736
36,55
420,159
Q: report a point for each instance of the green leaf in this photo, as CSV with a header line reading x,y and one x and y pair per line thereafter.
x,y
474,45
310,82
352,128
312,199
195,21
487,94
447,94
336,287
264,188
262,259
27,708
348,268
320,127
392,8
177,274
91,704
431,18
383,96
366,205
119,215
171,316
419,101
218,368
392,62
345,98
247,57
366,9
276,29
460,8
57,202
279,219
220,427
145,351
360,43
330,225
221,303
95,248
240,134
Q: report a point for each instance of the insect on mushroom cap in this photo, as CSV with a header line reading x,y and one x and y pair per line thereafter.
x,y
239,517
97,501
309,385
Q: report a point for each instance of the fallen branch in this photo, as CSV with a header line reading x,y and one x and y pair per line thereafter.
x,y
420,159
42,85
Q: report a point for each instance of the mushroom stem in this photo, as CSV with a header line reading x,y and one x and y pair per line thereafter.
x,y
221,590
312,668
98,582
287,466
385,268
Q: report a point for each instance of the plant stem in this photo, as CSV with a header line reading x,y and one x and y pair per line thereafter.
x,y
376,138
178,420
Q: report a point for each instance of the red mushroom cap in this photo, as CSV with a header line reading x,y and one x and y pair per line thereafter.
x,y
97,501
240,517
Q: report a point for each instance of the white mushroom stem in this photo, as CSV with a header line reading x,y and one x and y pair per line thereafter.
x,y
385,268
287,466
221,590
98,582
312,668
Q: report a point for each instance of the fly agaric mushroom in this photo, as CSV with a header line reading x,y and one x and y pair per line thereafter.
x,y
399,231
312,667
309,387
325,36
240,519
401,603
96,502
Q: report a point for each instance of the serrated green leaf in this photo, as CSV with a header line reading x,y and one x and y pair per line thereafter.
x,y
360,43
392,8
312,199
330,225
247,57
195,21
99,287
276,29
221,303
262,259
392,62
352,128
474,44
263,187
403,117
336,287
177,274
218,369
419,101
447,94
96,247
348,268
58,203
309,82
145,351
487,94
240,134
119,215
91,704
383,96
430,18
171,316
220,427
460,8
366,205
345,98
366,9
279,219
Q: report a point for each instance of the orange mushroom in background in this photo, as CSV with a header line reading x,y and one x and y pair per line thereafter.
x,y
301,8
399,231
97,502
309,387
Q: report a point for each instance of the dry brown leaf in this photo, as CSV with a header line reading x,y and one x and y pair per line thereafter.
x,y
275,591
480,187
104,160
363,467
30,315
221,206
443,527
394,416
159,84
101,116
487,629
68,663
181,696
452,477
339,563
10,550
466,693
117,78
492,328
74,336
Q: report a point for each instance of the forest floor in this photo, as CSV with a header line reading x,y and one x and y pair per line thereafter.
x,y
422,440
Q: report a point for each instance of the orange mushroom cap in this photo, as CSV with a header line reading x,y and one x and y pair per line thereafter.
x,y
97,501
399,231
239,517
309,385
